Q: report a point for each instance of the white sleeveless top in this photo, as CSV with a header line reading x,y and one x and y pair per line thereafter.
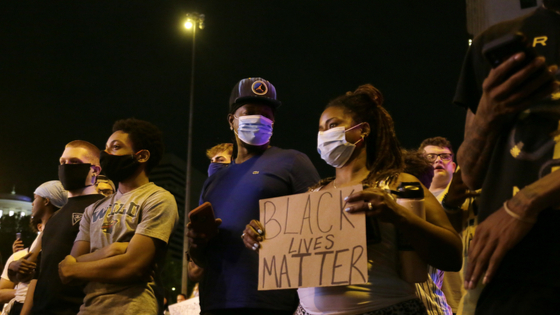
x,y
384,287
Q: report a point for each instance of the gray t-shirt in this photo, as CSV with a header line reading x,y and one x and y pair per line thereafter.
x,y
147,210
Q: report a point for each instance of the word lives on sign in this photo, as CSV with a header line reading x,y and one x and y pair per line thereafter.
x,y
310,241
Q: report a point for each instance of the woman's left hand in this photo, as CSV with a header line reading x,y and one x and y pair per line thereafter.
x,y
376,202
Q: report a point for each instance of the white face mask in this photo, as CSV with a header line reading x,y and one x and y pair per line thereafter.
x,y
254,129
333,147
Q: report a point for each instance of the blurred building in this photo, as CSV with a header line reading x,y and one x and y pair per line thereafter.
x,y
482,14
14,204
170,174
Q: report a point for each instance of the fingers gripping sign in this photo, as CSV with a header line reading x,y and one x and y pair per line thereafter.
x,y
253,235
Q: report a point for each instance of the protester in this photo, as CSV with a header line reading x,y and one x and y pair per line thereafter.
x,y
511,151
9,290
48,198
220,157
220,153
356,136
458,202
104,186
123,238
258,171
181,297
416,164
430,291
77,171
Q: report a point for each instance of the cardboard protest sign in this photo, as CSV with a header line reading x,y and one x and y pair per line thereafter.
x,y
310,241
188,307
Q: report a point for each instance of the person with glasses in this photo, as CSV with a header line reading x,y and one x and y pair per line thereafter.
x,y
458,202
438,151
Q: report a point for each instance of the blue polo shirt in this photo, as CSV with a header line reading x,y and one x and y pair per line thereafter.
x,y
231,276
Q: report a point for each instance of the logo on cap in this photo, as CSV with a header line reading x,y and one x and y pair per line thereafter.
x,y
259,88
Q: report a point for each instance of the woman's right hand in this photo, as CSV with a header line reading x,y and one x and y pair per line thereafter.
x,y
253,235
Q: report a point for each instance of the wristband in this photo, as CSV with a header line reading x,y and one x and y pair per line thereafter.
x,y
449,209
517,216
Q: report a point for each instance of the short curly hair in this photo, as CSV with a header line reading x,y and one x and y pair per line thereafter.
x,y
144,136
438,142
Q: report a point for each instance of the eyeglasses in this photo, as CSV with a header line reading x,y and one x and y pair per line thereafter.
x,y
432,157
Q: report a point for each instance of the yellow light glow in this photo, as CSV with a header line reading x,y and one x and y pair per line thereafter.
x,y
188,25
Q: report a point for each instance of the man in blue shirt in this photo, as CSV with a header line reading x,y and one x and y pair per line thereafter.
x,y
258,171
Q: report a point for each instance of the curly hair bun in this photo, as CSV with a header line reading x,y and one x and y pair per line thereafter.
x,y
371,92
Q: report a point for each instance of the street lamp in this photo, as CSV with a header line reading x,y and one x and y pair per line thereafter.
x,y
193,21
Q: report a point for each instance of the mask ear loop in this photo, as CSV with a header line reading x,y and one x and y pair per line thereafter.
x,y
363,136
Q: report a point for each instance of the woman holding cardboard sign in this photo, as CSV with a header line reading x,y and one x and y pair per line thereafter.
x,y
356,136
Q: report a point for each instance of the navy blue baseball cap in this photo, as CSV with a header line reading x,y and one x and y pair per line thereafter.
x,y
253,90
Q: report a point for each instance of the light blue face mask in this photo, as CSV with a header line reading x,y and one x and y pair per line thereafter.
x,y
333,147
254,129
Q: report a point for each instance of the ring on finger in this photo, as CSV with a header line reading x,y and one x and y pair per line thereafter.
x,y
243,235
370,207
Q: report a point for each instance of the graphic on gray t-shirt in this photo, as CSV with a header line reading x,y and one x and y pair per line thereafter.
x,y
148,210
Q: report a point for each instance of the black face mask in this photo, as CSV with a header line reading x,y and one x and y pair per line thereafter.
x,y
73,176
118,167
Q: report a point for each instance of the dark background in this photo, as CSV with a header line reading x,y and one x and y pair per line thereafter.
x,y
68,70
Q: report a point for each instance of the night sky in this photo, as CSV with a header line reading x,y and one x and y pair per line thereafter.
x,y
69,70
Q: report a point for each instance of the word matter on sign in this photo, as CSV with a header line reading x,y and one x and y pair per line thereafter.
x,y
310,241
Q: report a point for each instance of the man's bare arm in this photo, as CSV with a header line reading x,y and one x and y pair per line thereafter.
x,y
105,252
534,198
133,265
476,150
80,248
501,231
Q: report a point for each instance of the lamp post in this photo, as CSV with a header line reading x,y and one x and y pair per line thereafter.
x,y
193,21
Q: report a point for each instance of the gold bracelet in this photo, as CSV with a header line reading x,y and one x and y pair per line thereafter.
x,y
517,216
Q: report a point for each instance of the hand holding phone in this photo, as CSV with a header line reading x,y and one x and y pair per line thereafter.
x,y
516,81
18,243
499,50
203,222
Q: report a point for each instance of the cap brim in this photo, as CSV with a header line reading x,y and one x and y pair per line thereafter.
x,y
256,99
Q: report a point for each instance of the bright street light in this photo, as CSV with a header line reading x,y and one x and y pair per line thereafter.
x,y
188,24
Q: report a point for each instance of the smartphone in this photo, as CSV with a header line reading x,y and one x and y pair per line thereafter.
x,y
203,220
18,236
499,50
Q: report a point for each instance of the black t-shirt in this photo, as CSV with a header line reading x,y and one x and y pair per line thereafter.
x,y
525,152
51,296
